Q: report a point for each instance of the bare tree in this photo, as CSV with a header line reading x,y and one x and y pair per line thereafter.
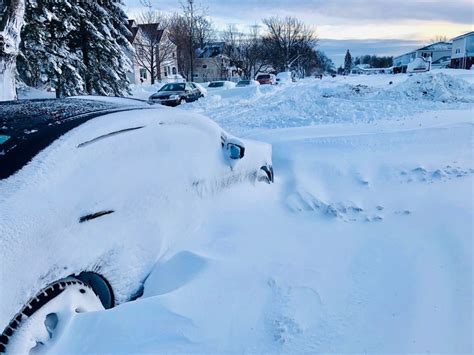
x,y
284,38
153,48
189,31
179,35
244,50
439,38
11,22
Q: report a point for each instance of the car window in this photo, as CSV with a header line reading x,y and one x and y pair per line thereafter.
x,y
192,85
263,76
216,84
3,139
173,87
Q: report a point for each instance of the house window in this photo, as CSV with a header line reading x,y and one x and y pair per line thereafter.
x,y
143,73
204,66
174,71
196,75
458,50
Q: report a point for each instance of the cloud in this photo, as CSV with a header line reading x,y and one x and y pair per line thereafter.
x,y
395,27
328,11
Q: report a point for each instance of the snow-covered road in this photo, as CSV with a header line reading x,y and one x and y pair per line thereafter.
x,y
362,245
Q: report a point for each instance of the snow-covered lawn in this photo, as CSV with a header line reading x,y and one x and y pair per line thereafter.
x,y
362,245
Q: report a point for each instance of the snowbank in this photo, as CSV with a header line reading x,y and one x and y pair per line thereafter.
x,y
438,87
357,99
363,245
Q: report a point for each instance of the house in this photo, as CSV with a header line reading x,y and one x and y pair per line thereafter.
x,y
212,64
462,56
439,52
154,54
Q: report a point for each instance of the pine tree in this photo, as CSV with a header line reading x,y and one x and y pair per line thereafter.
x,y
46,57
347,62
101,39
76,46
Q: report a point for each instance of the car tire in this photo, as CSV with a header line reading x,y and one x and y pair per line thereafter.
x,y
182,101
34,326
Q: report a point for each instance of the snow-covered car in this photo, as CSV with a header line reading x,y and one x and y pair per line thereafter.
x,y
419,65
201,88
265,78
175,94
91,192
247,83
221,84
285,78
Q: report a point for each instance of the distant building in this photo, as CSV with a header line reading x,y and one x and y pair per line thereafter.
x,y
440,54
462,56
159,37
212,64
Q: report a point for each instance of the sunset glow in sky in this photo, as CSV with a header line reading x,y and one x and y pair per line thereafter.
x,y
377,26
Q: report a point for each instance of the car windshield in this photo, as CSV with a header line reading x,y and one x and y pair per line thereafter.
x,y
3,139
216,84
173,87
243,82
264,76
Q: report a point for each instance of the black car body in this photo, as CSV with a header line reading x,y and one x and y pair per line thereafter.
x,y
174,94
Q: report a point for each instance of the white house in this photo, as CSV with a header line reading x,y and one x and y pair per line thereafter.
x,y
154,52
462,56
439,52
212,64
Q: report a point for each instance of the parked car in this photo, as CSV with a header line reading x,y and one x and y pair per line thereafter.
x,y
174,94
285,77
88,190
221,84
419,65
266,79
246,83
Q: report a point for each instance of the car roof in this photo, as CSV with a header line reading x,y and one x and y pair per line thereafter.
x,y
31,125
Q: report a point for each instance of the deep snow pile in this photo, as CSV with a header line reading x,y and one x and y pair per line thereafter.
x,y
362,245
437,87
339,100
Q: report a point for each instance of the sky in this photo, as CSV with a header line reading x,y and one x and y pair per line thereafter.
x,y
382,27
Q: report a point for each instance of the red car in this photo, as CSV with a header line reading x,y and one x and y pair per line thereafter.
x,y
266,79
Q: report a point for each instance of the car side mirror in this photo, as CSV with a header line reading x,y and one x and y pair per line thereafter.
x,y
235,151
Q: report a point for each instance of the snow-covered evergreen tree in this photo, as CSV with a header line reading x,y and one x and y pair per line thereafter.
x,y
46,56
101,38
348,62
76,46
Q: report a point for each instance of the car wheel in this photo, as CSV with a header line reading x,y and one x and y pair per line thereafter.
x,y
265,174
182,101
43,318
